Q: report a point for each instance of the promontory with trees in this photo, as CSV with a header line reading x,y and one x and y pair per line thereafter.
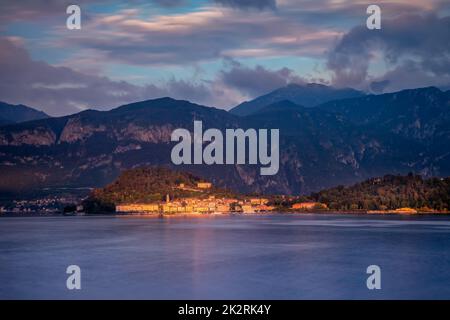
x,y
160,185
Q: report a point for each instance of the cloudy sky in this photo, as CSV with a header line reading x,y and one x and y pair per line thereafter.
x,y
214,52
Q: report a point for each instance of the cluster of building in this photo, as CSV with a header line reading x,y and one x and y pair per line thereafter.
x,y
52,204
207,205
309,206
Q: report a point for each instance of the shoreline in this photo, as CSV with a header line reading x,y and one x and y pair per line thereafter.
x,y
209,215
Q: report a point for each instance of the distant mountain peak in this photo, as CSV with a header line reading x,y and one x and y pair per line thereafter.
x,y
308,95
164,102
152,101
308,85
10,113
318,85
425,90
281,106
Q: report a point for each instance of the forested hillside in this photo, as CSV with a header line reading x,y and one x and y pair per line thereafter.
x,y
389,193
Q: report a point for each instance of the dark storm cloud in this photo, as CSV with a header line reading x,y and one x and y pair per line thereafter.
x,y
207,34
258,80
419,39
410,74
61,90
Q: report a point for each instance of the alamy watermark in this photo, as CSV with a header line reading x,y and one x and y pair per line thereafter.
x,y
236,143
73,282
73,22
374,280
373,22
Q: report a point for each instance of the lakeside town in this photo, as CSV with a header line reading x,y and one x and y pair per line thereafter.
x,y
196,205
163,191
214,205
200,205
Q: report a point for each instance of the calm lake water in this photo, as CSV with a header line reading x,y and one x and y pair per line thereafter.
x,y
225,257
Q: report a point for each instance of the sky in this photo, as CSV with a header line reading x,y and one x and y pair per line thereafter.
x,y
214,52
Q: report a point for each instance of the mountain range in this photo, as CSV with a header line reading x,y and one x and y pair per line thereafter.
x,y
10,114
337,142
309,95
